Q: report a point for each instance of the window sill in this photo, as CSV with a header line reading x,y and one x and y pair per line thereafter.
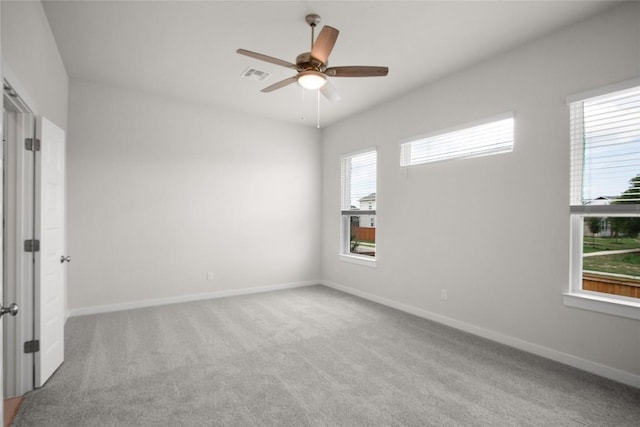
x,y
602,304
360,260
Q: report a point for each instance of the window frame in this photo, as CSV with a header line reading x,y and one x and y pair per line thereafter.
x,y
576,296
344,253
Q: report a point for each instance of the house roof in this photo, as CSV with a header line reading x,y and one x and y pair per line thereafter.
x,y
370,198
602,200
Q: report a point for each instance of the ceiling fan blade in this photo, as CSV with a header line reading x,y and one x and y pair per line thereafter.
x,y
357,71
329,91
280,84
324,43
266,58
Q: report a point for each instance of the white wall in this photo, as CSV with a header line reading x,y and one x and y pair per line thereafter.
x,y
494,230
31,61
162,192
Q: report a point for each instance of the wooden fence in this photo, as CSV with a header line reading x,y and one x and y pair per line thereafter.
x,y
611,285
363,234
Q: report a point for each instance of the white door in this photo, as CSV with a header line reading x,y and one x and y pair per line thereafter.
x,y
50,230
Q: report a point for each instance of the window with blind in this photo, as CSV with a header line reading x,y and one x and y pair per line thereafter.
x,y
605,194
489,137
358,205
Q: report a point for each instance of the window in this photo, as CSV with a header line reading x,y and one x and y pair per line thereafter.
x,y
490,137
605,196
358,206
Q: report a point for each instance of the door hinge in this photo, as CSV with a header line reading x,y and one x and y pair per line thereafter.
x,y
32,346
32,144
32,245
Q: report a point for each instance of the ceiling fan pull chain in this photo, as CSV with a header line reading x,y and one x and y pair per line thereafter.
x,y
318,111
303,91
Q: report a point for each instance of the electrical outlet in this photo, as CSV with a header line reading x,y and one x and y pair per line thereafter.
x,y
443,294
210,275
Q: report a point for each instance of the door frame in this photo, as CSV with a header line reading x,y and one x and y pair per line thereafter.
x,y
19,216
2,127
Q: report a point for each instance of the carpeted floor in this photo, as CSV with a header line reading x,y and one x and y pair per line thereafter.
x,y
307,357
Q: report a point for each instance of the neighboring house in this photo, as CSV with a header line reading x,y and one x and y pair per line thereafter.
x,y
605,230
368,203
602,200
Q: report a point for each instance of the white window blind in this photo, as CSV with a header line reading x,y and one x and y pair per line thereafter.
x,y
358,179
605,150
481,140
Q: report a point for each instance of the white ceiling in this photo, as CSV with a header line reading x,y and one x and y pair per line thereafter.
x,y
186,50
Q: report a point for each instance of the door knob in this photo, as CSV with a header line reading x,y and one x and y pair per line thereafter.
x,y
12,309
65,258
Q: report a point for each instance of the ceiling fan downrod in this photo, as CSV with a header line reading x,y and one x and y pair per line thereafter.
x,y
313,20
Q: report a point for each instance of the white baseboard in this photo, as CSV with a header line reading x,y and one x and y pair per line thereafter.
x,y
618,375
95,309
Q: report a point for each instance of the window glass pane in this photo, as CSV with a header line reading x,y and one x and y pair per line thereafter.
x,y
611,255
358,179
362,235
605,147
488,138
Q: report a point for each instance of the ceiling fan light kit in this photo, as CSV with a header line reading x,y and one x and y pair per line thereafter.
x,y
311,79
312,67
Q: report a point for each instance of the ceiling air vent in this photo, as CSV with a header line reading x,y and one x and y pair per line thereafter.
x,y
255,74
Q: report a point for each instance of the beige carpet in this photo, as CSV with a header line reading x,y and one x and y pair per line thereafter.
x,y
307,357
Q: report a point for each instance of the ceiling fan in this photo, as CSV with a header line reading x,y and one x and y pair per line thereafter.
x,y
312,67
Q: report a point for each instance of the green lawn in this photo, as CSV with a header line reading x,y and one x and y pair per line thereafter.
x,y
609,244
628,264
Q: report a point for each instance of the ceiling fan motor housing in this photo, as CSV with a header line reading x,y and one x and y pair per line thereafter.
x,y
305,62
